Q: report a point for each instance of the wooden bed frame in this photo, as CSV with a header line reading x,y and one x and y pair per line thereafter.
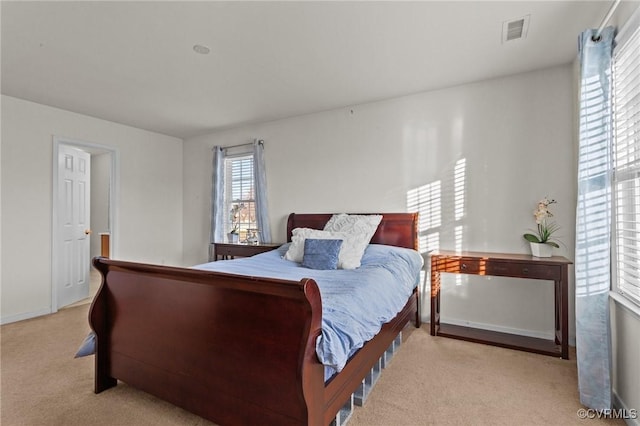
x,y
232,349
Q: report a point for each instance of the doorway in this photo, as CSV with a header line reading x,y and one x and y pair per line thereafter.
x,y
74,280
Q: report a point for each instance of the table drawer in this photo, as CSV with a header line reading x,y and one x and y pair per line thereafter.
x,y
459,265
509,269
230,251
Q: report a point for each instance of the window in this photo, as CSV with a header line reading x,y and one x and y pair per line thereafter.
x,y
239,199
626,157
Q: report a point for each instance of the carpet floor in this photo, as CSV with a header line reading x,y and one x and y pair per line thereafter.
x,y
430,381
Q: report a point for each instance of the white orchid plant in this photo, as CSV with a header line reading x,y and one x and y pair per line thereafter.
x,y
546,228
234,215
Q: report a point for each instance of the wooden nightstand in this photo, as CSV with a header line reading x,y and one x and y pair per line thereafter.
x,y
227,251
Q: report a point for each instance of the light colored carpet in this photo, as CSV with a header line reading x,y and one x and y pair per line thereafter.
x,y
430,381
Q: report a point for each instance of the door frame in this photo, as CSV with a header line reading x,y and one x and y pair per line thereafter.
x,y
114,190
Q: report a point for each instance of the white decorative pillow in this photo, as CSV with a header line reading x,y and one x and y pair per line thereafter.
x,y
361,229
298,235
363,224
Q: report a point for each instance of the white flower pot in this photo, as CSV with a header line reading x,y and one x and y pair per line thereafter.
x,y
233,238
541,250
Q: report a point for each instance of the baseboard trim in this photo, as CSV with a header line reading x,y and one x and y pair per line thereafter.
x,y
24,316
620,405
498,328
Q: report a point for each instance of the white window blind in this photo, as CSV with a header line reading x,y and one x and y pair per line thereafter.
x,y
626,157
240,194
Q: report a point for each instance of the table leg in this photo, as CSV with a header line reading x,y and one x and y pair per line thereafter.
x,y
564,313
435,301
557,296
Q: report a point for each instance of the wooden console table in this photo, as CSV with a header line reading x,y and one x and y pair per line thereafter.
x,y
505,265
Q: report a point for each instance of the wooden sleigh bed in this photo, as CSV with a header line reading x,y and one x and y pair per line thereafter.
x,y
232,349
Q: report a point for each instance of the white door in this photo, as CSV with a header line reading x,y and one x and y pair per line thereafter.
x,y
74,174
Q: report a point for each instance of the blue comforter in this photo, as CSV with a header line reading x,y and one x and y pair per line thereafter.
x,y
355,302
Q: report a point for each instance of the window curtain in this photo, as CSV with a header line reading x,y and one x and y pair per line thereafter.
x,y
260,181
217,196
593,220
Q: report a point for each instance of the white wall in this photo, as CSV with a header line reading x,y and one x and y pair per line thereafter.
x,y
515,134
150,208
626,356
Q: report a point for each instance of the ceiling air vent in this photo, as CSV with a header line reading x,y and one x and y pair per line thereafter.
x,y
515,29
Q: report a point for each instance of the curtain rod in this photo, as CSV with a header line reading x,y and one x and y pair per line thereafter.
x,y
615,4
260,141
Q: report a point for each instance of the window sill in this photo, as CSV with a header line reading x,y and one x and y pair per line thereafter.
x,y
625,303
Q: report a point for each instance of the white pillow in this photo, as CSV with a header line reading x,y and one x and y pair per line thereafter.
x,y
360,228
362,224
348,251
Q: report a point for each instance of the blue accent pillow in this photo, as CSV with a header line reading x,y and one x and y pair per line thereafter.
x,y
321,253
88,347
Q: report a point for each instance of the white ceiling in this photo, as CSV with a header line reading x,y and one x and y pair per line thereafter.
x,y
133,62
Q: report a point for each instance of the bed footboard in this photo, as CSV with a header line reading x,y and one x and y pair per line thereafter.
x,y
232,349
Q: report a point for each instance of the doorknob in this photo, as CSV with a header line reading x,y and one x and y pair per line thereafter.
x,y
87,231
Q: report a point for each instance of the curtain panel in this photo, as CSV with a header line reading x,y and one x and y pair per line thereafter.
x,y
593,220
260,182
217,196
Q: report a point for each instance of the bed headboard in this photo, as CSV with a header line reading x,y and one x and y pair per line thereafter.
x,y
395,229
